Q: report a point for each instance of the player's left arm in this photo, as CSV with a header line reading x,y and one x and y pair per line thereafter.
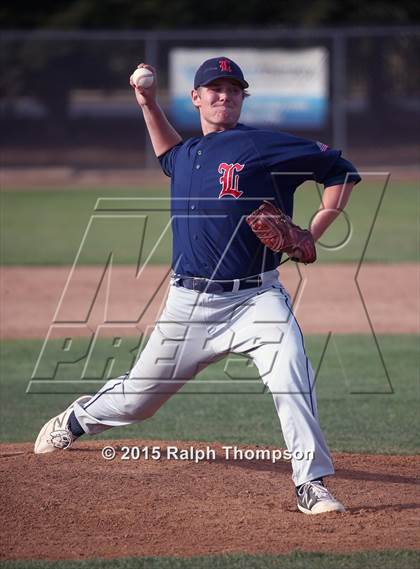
x,y
338,181
334,200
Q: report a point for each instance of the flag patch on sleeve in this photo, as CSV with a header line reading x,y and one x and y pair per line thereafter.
x,y
323,147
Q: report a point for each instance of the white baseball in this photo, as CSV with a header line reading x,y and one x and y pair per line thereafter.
x,y
143,77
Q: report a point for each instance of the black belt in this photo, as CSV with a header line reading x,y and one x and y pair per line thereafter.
x,y
200,284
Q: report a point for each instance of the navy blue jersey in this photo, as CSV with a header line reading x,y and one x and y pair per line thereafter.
x,y
218,179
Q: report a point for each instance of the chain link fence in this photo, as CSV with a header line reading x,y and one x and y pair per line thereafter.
x,y
65,97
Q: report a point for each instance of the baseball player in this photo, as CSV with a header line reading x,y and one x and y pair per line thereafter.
x,y
231,202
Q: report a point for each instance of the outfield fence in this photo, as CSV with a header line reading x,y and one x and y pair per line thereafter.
x,y
65,98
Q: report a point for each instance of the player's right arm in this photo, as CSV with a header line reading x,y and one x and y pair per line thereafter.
x,y
161,132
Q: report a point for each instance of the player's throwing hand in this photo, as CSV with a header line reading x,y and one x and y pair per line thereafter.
x,y
144,90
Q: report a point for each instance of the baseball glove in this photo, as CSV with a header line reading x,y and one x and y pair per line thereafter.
x,y
278,232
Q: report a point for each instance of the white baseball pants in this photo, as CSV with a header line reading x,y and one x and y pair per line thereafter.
x,y
196,329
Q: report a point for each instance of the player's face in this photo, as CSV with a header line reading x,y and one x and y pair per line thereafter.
x,y
219,103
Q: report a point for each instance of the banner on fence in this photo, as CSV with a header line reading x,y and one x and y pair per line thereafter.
x,y
288,87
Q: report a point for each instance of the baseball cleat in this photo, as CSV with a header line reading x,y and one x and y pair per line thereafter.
x,y
314,498
55,434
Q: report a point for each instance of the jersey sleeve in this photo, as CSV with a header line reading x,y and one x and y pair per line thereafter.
x,y
341,172
167,159
303,159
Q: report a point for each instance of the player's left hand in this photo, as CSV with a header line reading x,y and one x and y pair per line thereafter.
x,y
278,232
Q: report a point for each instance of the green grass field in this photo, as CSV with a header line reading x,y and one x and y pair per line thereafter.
x,y
360,410
48,227
362,407
298,560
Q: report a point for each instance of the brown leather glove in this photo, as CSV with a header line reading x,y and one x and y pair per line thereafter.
x,y
278,232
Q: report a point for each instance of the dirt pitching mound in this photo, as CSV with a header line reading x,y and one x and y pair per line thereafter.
x,y
75,504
